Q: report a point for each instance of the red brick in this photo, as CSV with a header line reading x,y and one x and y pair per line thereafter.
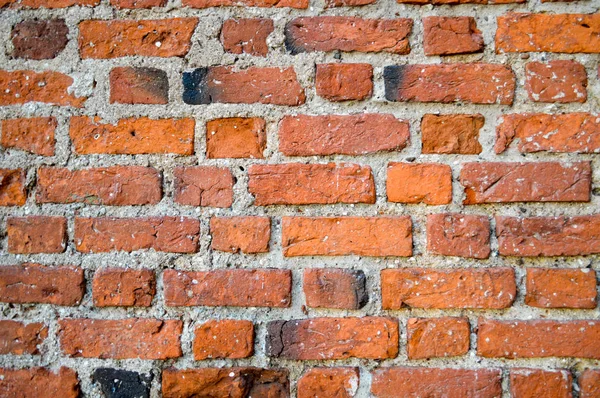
x,y
39,383
497,182
254,85
538,339
225,382
48,3
490,288
305,135
556,81
247,3
120,339
589,383
203,186
36,234
132,136
331,33
341,236
548,236
451,35
120,4
436,382
303,184
228,338
329,382
561,288
240,234
533,383
236,137
23,86
35,135
34,39
163,234
429,183
122,38
453,234
121,287
560,33
228,287
246,35
344,82
451,134
333,338
569,132
13,191
475,83
18,338
138,86
335,288
36,283
437,337
111,186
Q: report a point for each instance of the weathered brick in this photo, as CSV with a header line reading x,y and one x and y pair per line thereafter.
x,y
437,337
229,287
556,81
536,132
226,84
147,38
538,339
490,288
35,135
132,136
121,4
331,33
302,184
453,234
203,186
451,134
225,382
163,234
111,186
532,383
305,135
436,382
39,383
18,338
335,288
116,383
228,338
36,283
348,3
130,85
329,382
23,86
340,236
120,339
122,287
35,39
333,338
451,35
13,191
548,236
429,183
589,383
236,137
344,82
447,83
36,234
246,35
561,288
561,33
240,234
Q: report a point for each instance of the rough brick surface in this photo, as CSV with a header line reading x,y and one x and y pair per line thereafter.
x,y
236,137
451,35
437,337
531,383
138,86
24,86
447,134
335,288
458,235
12,187
125,4
39,39
428,183
227,338
240,234
36,234
344,82
39,382
120,287
18,338
248,3
329,382
589,384
556,81
203,186
35,135
561,288
246,36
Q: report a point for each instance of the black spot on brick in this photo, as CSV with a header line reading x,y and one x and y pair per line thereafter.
x,y
290,42
195,87
116,383
392,77
360,286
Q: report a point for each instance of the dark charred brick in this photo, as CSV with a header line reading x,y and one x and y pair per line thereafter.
x,y
117,383
34,39
139,86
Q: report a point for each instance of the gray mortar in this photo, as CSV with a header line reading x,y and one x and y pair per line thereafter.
x,y
207,51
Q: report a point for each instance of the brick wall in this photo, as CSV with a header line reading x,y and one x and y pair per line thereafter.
x,y
272,198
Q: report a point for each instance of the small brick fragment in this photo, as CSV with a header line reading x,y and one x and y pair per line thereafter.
x,y
39,382
236,137
451,35
12,187
226,338
428,183
119,383
561,288
335,288
459,235
36,234
344,82
532,383
203,186
35,135
329,382
138,86
556,81
451,134
437,337
246,36
18,338
23,86
118,287
240,234
34,39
